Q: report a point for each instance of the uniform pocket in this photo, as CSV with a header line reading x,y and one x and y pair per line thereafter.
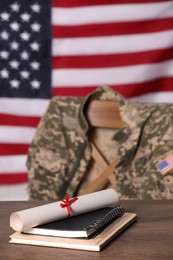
x,y
49,160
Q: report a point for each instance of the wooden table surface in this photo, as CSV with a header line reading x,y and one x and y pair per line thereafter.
x,y
151,237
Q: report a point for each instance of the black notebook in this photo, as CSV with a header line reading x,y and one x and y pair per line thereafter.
x,y
86,225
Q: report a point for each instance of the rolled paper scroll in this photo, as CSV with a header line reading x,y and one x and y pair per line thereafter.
x,y
28,218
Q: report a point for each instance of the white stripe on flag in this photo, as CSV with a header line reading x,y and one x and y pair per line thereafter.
x,y
112,44
111,13
16,135
166,97
23,106
118,75
13,164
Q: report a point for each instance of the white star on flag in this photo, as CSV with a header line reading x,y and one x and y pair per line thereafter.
x,y
15,7
14,83
5,16
14,26
4,73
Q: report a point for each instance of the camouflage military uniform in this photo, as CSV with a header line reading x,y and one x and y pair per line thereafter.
x,y
60,153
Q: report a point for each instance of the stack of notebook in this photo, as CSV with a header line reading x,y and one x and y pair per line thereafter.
x,y
84,223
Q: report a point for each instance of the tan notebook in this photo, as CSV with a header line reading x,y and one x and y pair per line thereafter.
x,y
94,244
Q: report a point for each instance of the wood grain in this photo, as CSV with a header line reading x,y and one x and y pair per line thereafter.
x,y
105,114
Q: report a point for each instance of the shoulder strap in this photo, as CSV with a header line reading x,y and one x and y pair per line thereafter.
x,y
107,173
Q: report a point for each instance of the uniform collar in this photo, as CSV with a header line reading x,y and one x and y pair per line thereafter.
x,y
133,115
101,93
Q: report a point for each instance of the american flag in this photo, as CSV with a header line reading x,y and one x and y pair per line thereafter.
x,y
166,165
68,47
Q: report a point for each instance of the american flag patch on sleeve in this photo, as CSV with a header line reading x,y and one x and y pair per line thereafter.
x,y
166,165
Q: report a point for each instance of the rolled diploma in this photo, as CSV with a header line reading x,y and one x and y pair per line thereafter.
x,y
28,218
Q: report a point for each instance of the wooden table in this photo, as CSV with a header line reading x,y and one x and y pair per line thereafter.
x,y
151,237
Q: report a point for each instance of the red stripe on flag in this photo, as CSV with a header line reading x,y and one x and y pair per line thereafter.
x,y
128,90
13,149
112,60
6,119
73,3
16,178
117,28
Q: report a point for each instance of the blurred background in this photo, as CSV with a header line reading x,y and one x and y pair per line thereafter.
x,y
69,48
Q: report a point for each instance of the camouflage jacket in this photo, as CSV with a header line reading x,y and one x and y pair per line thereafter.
x,y
60,153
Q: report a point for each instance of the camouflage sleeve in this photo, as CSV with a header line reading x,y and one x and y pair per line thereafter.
x,y
159,169
48,166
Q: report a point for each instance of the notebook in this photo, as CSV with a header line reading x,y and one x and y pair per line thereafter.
x,y
96,243
84,225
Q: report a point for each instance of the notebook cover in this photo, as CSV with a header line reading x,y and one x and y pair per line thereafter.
x,y
76,226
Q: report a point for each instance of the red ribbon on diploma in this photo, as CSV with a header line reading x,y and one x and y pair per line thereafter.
x,y
67,202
